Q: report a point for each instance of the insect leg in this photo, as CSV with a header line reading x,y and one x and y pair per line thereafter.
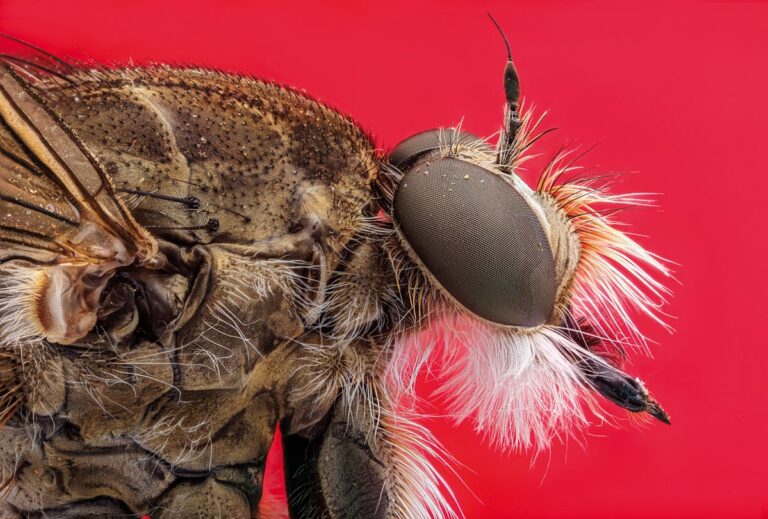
x,y
337,473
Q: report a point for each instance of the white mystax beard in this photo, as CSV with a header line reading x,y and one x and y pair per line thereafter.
x,y
522,389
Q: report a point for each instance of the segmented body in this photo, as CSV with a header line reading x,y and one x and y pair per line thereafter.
x,y
175,417
189,259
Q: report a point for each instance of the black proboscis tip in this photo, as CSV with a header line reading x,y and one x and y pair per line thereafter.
x,y
654,409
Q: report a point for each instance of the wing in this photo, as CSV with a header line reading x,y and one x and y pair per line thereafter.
x,y
63,232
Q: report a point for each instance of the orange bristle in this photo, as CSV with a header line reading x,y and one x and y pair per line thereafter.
x,y
614,271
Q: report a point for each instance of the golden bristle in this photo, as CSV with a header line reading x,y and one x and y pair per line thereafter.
x,y
613,270
10,387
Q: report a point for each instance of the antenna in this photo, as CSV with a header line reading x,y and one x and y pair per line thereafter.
x,y
512,121
503,36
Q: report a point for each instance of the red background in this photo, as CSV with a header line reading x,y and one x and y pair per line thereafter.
x,y
673,91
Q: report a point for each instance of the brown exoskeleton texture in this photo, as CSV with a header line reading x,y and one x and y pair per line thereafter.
x,y
190,259
168,406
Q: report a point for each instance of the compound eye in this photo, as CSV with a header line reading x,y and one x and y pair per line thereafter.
x,y
479,239
415,146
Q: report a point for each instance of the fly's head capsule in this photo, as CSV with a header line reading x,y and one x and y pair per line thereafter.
x,y
480,235
530,289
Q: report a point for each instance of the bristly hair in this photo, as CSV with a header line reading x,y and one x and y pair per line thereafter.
x,y
419,490
19,293
19,287
10,386
613,270
521,389
525,387
351,378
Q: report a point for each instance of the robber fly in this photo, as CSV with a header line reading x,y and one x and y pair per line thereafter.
x,y
189,259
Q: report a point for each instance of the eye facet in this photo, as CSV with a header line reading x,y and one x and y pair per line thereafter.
x,y
479,239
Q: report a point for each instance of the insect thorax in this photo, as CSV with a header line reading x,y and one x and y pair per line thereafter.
x,y
228,338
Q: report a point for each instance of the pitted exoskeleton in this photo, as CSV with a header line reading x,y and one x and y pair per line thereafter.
x,y
189,259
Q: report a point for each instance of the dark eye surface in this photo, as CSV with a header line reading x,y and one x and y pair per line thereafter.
x,y
480,240
414,146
